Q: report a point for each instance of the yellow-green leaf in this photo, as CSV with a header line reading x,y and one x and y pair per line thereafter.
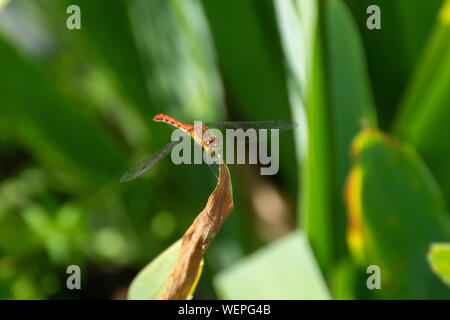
x,y
149,284
439,259
396,211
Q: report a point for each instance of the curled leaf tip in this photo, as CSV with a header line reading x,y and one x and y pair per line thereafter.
x,y
186,273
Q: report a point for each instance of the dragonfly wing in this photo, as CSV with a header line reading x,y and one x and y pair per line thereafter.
x,y
149,162
271,124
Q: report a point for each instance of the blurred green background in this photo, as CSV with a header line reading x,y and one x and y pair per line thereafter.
x,y
366,176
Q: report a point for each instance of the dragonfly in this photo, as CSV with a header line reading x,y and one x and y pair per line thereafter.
x,y
202,136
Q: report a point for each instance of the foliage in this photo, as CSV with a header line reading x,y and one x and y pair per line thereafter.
x,y
378,222
76,109
151,281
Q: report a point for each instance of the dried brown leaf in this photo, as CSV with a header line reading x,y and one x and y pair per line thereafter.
x,y
198,237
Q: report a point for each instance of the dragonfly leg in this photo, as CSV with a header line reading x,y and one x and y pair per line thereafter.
x,y
212,170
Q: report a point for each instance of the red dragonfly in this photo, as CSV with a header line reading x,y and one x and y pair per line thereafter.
x,y
200,136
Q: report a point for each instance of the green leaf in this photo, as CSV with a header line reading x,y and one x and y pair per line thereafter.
x,y
396,211
316,197
301,41
150,283
439,259
349,98
285,269
251,59
425,111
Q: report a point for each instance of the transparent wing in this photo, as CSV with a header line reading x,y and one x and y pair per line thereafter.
x,y
271,124
149,162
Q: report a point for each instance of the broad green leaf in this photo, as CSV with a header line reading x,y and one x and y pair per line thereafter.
x,y
349,99
63,135
396,211
301,41
344,80
151,281
316,198
285,269
394,50
424,113
439,259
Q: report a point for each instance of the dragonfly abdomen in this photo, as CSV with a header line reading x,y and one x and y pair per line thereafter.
x,y
167,119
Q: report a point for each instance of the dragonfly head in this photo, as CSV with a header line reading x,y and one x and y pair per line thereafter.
x,y
211,141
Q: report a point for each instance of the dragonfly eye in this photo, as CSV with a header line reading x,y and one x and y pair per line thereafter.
x,y
211,140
